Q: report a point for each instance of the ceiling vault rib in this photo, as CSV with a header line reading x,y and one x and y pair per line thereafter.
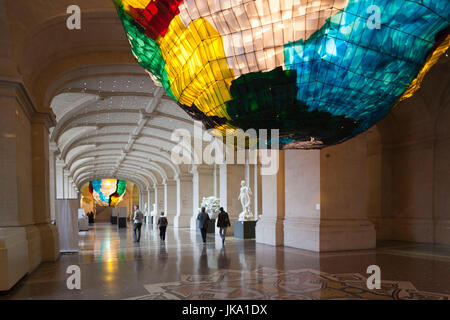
x,y
145,116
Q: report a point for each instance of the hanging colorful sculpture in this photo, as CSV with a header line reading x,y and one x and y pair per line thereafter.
x,y
319,71
107,192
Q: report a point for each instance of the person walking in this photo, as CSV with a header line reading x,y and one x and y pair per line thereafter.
x,y
138,217
203,221
223,222
162,224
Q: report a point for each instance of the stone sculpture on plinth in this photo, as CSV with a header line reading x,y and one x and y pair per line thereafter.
x,y
244,197
212,205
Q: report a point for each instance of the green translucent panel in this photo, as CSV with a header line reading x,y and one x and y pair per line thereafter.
x,y
121,186
146,50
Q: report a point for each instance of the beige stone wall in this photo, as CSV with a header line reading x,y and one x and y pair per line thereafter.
x,y
408,165
86,201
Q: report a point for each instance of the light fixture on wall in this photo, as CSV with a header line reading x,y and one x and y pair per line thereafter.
x,y
320,71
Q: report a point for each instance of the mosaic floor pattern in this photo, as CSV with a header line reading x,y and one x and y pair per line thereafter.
x,y
268,284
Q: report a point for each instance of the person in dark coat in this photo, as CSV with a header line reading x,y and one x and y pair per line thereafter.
x,y
223,222
203,221
162,224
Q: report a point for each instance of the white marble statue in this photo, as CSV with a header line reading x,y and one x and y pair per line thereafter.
x,y
153,213
212,205
244,197
145,209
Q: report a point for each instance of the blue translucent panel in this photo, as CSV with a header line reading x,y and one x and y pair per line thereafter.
x,y
97,185
347,68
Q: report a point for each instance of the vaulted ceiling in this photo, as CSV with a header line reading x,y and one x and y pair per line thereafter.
x,y
114,122
111,120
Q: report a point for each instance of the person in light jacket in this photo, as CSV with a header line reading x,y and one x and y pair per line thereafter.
x,y
223,222
138,217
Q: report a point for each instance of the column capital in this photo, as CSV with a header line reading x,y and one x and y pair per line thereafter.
x,y
202,169
184,177
46,118
53,147
14,88
170,182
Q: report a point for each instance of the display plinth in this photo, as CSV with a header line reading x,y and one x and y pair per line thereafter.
x,y
114,216
122,217
113,219
244,229
211,226
121,222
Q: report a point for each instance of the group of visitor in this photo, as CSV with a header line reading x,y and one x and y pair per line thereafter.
x,y
223,222
139,218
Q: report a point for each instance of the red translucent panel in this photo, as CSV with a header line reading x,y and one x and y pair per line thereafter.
x,y
156,17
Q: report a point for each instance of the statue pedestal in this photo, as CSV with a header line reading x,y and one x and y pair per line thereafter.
x,y
211,226
244,229
122,223
122,218
114,216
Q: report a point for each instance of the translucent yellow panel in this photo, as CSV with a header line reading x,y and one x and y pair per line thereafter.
x,y
197,66
432,59
109,186
137,4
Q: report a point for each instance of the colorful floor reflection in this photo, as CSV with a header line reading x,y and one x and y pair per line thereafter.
x,y
114,267
270,284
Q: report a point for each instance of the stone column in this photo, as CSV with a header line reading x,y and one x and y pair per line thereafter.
x,y
252,173
53,149
170,199
17,244
155,199
269,228
302,199
149,205
24,150
257,195
160,200
41,187
71,189
184,201
231,176
343,218
216,175
202,186
59,175
66,184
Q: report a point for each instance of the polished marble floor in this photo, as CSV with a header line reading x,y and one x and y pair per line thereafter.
x,y
114,267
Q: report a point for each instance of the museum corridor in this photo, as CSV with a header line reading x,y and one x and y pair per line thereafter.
x,y
114,267
349,169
